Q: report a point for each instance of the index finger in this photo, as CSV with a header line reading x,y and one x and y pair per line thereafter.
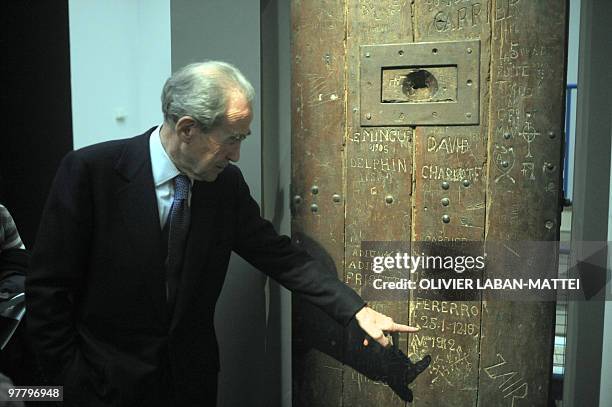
x,y
402,328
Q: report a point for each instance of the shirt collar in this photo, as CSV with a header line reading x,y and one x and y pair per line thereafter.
x,y
163,168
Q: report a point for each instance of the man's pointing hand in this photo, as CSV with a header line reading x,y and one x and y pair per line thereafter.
x,y
376,325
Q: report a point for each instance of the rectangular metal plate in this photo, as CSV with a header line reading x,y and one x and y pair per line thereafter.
x,y
428,83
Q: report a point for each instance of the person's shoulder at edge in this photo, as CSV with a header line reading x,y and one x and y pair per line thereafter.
x,y
7,224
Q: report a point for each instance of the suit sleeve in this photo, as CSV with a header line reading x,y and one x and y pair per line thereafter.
x,y
259,244
57,268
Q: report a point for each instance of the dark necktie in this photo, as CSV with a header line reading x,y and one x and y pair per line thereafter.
x,y
178,227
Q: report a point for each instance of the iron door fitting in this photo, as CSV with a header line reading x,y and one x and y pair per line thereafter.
x,y
428,83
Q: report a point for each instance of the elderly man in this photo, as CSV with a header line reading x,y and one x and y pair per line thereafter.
x,y
134,245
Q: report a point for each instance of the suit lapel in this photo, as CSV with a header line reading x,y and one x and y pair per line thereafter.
x,y
138,204
204,205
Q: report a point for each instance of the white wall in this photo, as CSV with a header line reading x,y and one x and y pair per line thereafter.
x,y
573,41
119,60
572,78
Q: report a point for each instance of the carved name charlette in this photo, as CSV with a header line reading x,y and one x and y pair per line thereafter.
x,y
455,174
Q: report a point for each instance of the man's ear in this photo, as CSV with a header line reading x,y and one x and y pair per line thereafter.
x,y
185,127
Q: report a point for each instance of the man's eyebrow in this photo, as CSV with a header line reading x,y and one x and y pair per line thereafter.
x,y
241,136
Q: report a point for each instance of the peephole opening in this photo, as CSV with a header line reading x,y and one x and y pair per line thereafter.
x,y
420,85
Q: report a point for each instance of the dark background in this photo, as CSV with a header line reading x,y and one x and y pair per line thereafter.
x,y
36,108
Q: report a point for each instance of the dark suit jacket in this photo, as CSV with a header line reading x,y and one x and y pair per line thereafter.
x,y
95,292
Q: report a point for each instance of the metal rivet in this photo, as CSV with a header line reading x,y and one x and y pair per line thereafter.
x,y
466,183
469,50
469,82
434,114
314,189
552,134
367,55
336,198
505,164
297,199
507,135
355,110
445,201
550,166
368,116
389,199
314,208
401,52
445,218
549,224
468,115
445,185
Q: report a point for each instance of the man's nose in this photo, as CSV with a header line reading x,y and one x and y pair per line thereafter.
x,y
233,154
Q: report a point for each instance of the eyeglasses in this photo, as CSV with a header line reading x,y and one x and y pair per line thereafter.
x,y
235,139
230,139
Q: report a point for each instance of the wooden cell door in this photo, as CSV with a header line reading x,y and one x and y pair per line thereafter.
x,y
426,121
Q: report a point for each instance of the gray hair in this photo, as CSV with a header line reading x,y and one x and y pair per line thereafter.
x,y
200,90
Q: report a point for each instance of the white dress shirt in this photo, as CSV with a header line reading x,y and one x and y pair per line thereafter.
x,y
164,172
